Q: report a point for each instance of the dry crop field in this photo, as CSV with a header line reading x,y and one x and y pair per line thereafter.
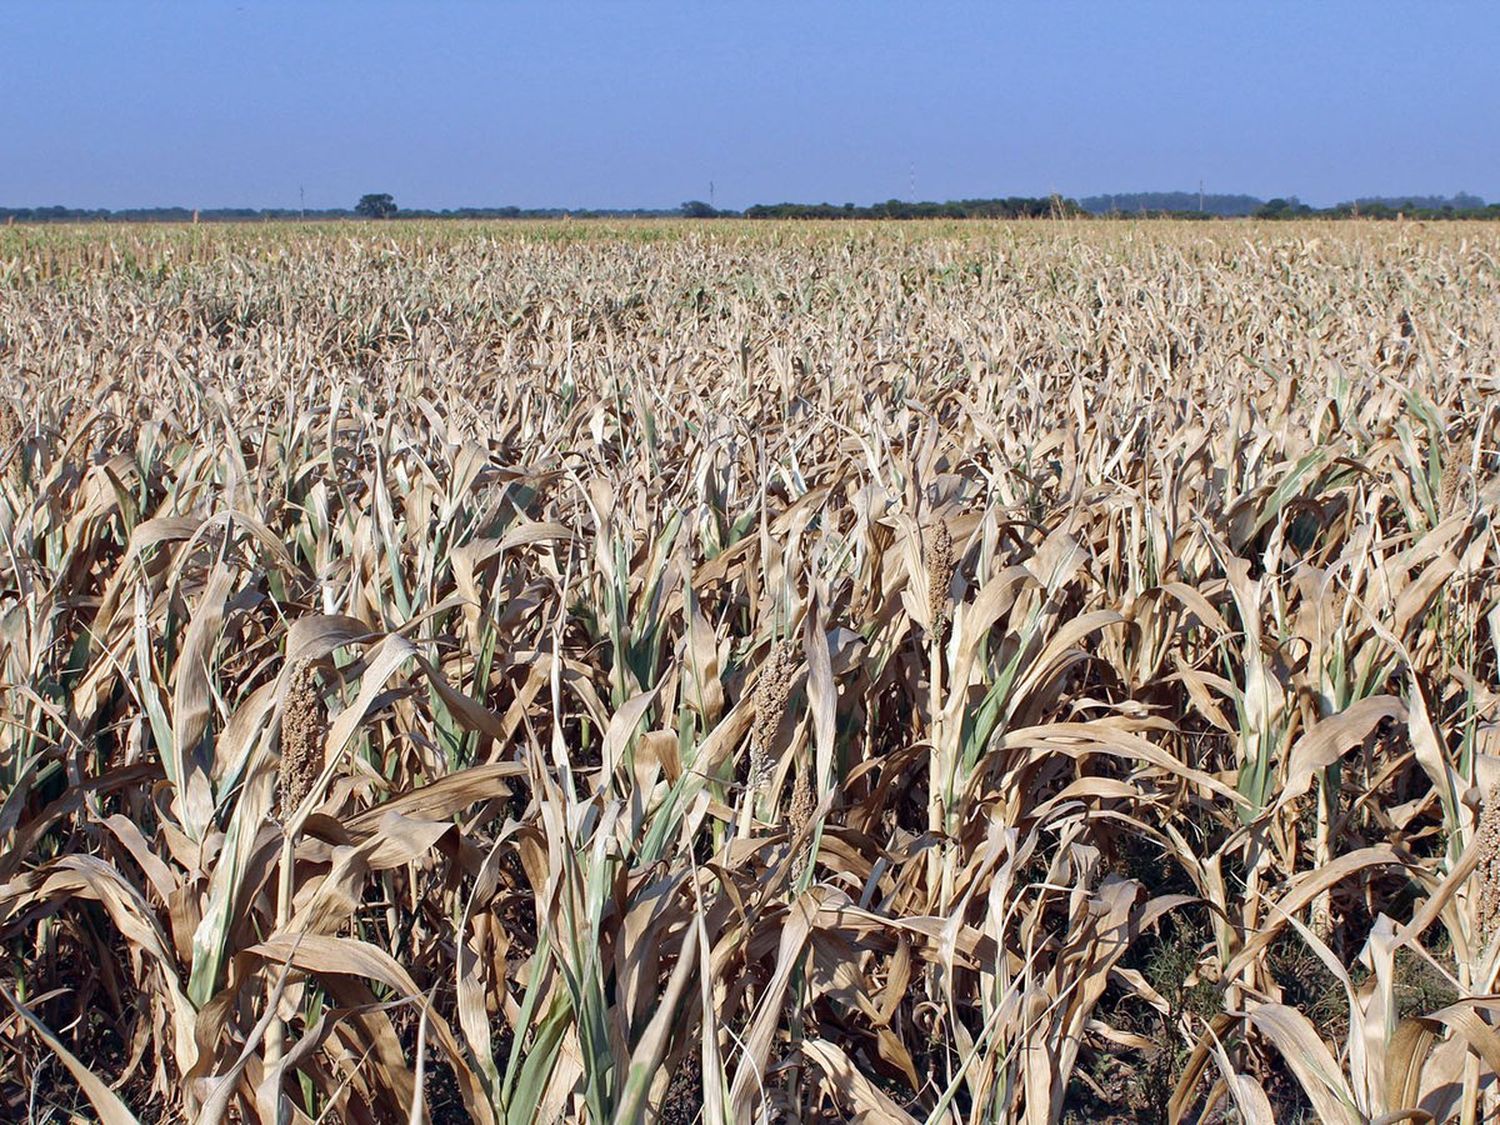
x,y
749,673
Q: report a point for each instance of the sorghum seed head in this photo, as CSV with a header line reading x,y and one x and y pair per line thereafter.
x,y
1448,487
12,434
938,559
799,817
682,1104
1487,874
304,728
773,690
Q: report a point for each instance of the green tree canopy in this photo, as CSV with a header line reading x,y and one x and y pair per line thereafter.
x,y
376,206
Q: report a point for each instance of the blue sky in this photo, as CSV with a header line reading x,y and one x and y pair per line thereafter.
x,y
117,104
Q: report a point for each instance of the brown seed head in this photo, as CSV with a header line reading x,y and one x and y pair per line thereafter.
x,y
304,728
682,1104
799,817
12,434
1487,873
1448,487
938,558
772,692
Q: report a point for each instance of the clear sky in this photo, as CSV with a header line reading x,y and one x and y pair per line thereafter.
x,y
117,104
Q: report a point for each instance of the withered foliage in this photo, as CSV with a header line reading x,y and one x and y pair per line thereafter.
x,y
1006,672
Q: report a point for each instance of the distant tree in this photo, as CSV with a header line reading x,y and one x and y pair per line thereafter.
x,y
697,209
1279,208
376,206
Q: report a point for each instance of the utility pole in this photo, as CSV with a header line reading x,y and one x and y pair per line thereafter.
x,y
1200,197
302,201
711,195
912,183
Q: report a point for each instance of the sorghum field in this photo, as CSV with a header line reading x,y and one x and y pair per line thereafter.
x,y
739,672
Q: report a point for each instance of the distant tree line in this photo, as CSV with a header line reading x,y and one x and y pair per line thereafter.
x,y
1186,205
383,206
1135,202
1418,207
1461,201
1168,204
327,214
1015,207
